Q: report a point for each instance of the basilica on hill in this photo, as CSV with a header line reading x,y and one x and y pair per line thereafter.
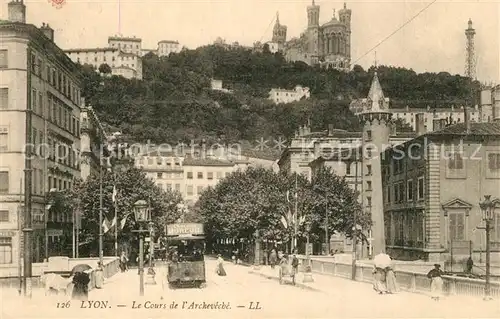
x,y
328,45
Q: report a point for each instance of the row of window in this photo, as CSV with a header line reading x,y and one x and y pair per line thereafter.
x,y
168,175
400,194
55,78
37,216
160,161
456,161
190,190
210,175
404,229
168,187
62,115
37,182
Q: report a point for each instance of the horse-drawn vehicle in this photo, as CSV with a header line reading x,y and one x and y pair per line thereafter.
x,y
286,270
185,247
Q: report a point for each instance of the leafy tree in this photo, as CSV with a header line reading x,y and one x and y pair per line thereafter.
x,y
333,195
257,199
104,68
131,185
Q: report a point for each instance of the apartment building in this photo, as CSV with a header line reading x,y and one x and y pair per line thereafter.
x,y
165,47
190,171
40,98
432,193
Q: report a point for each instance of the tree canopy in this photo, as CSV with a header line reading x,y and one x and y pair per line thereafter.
x,y
261,199
131,185
174,101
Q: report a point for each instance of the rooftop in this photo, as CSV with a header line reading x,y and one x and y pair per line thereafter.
x,y
188,161
482,129
90,50
120,38
38,36
168,41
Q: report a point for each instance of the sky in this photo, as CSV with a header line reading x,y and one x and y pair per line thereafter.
x,y
432,42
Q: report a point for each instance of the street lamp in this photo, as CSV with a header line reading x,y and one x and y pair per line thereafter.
x,y
151,272
142,215
487,209
307,272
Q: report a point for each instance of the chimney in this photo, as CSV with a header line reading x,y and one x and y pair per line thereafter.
x,y
317,149
17,11
467,119
437,124
47,31
420,123
443,123
330,129
203,151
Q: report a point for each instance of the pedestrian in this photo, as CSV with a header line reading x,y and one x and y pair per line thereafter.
x,y
99,275
273,258
436,282
80,289
470,265
295,264
390,279
123,262
379,284
220,266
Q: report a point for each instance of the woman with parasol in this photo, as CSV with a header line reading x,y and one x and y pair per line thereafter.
x,y
380,262
220,266
81,280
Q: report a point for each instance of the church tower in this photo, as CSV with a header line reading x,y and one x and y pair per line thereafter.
x,y
313,16
312,32
376,120
345,18
279,31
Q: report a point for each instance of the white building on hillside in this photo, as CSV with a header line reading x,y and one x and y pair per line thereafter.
x,y
288,96
123,55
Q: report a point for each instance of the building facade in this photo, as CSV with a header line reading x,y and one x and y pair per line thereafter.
x,y
123,56
328,45
93,140
288,96
190,171
431,198
165,47
40,98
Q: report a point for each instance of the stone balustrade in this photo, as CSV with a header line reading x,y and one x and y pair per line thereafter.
x,y
63,266
413,281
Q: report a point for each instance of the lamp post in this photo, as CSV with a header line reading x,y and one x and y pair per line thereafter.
x,y
307,273
487,209
100,213
142,215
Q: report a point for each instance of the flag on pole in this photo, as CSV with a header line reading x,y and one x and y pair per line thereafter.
x,y
113,222
123,221
284,222
105,225
115,192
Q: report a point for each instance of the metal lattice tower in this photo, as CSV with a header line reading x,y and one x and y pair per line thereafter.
x,y
470,58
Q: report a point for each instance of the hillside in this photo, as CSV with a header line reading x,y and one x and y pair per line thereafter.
x,y
174,101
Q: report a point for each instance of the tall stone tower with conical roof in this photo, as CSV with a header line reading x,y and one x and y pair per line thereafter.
x,y
376,119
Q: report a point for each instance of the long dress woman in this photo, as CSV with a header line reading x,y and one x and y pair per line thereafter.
x,y
80,288
436,282
220,266
390,279
379,280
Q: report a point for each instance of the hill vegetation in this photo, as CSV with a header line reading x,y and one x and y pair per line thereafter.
x,y
174,101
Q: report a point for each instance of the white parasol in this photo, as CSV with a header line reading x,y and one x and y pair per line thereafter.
x,y
382,260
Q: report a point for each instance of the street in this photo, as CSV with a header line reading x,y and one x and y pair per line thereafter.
x,y
240,290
